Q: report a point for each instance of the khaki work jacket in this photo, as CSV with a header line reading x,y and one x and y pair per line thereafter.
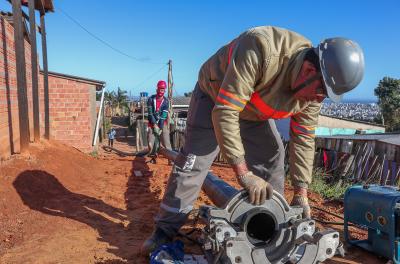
x,y
251,79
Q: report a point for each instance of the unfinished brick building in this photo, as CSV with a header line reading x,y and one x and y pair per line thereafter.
x,y
65,106
73,109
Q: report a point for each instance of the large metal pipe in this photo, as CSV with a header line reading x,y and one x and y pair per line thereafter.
x,y
219,192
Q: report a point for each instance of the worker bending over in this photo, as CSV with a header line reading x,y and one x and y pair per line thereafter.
x,y
264,74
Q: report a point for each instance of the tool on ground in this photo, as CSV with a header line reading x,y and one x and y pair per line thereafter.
x,y
238,232
376,208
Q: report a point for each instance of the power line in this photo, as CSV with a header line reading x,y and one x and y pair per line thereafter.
x,y
150,76
105,42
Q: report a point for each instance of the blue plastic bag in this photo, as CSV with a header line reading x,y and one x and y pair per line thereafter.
x,y
171,253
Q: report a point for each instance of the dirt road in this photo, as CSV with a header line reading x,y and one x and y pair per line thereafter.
x,y
58,205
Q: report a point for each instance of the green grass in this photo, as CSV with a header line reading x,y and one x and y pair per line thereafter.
x,y
327,186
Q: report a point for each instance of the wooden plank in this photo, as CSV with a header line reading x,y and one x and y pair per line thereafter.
x,y
396,181
371,170
366,164
45,78
351,171
21,75
381,172
393,167
385,171
34,60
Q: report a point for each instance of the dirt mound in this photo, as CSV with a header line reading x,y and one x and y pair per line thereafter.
x,y
61,205
58,205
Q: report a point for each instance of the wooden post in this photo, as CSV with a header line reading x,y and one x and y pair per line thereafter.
x,y
21,75
170,87
137,137
104,120
143,106
35,84
45,76
396,179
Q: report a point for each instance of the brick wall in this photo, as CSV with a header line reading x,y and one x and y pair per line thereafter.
x,y
72,111
72,102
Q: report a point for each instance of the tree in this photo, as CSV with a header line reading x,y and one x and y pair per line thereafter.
x,y
388,93
121,98
109,100
117,101
189,94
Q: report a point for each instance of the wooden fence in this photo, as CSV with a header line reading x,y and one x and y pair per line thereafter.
x,y
361,165
354,162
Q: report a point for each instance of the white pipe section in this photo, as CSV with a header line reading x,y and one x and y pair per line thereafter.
x,y
96,133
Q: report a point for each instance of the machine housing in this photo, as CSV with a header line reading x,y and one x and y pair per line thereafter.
x,y
376,209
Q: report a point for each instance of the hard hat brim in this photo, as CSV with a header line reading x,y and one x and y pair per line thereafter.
x,y
331,95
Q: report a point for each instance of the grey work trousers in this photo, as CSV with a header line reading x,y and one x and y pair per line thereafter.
x,y
164,138
264,155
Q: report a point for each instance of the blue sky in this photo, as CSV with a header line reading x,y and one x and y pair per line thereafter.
x,y
188,32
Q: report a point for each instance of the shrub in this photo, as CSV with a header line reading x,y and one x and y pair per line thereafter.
x,y
326,186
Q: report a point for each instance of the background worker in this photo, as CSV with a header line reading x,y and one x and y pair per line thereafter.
x,y
111,137
266,73
157,107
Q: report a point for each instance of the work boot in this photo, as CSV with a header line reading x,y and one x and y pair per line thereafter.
x,y
157,238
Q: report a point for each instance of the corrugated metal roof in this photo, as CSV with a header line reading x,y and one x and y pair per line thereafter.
x,y
181,100
395,140
391,138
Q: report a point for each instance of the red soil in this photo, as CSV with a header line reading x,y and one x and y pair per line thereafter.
x,y
58,205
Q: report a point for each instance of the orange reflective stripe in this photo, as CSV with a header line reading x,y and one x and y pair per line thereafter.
x,y
230,51
232,96
301,129
227,103
299,132
230,99
267,111
296,124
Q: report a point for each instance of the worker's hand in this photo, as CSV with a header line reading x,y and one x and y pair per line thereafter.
x,y
300,198
259,190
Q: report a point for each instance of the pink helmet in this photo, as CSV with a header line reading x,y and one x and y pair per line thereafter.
x,y
161,85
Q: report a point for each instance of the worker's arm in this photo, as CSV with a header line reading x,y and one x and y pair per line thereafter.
x,y
245,69
302,135
243,72
150,111
164,113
